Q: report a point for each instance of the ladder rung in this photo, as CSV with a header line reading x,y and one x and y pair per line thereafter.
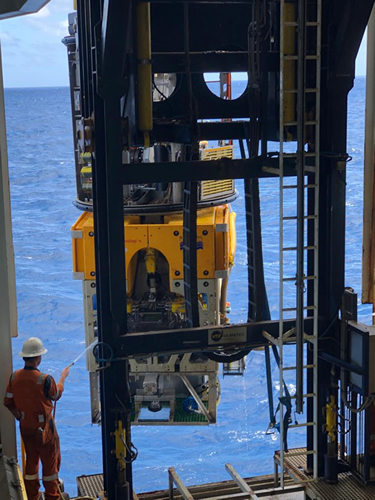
x,y
290,249
308,395
294,124
306,308
294,186
307,278
306,155
308,23
305,424
292,57
299,453
294,217
290,368
310,90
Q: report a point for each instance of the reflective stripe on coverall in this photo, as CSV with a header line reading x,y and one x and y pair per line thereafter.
x,y
33,393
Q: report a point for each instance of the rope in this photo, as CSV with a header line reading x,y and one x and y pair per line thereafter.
x,y
285,401
366,403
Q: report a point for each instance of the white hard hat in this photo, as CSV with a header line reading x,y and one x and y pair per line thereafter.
x,y
32,347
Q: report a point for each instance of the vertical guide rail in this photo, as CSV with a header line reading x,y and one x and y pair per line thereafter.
x,y
281,237
316,232
301,63
190,204
103,60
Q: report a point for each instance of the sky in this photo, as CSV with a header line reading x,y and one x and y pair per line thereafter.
x,y
33,55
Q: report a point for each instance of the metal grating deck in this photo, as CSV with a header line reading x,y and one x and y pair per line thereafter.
x,y
348,487
263,486
90,486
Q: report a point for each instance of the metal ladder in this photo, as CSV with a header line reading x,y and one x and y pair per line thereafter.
x,y
308,64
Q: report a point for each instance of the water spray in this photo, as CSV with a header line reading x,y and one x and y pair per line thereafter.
x,y
91,346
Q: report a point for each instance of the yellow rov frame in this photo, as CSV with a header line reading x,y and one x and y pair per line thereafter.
x,y
170,380
215,254
215,245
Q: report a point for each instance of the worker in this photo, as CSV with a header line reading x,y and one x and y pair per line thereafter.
x,y
30,397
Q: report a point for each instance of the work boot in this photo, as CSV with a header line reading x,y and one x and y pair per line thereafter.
x,y
65,496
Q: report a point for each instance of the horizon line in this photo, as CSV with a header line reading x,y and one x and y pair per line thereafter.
x,y
67,86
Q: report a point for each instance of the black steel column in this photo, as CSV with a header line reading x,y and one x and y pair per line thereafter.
x,y
190,198
190,202
337,80
108,40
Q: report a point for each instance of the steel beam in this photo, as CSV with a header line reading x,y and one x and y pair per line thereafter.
x,y
200,62
222,338
353,21
200,1
202,171
14,8
209,131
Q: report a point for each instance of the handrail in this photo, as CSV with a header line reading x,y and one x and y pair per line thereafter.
x,y
175,479
241,483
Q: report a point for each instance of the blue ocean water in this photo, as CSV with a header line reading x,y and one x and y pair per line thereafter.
x,y
42,184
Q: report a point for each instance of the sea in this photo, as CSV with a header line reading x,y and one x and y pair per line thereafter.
x,y
42,184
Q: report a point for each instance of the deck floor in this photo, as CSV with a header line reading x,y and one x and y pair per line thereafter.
x,y
263,486
347,488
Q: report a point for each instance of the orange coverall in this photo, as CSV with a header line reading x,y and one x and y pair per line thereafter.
x,y
33,393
